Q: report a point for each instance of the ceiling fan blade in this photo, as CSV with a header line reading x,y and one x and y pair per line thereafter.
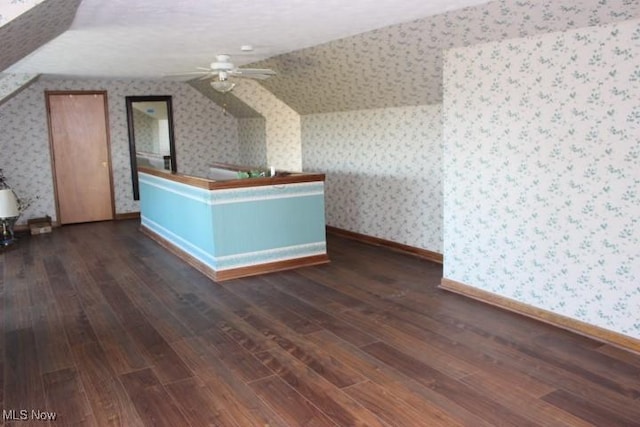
x,y
264,71
252,73
252,76
187,73
223,68
209,75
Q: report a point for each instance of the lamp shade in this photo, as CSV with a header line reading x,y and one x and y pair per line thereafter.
x,y
8,204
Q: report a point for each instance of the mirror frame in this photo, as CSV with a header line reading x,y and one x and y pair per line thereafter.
x,y
132,136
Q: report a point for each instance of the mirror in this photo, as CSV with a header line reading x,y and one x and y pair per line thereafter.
x,y
150,121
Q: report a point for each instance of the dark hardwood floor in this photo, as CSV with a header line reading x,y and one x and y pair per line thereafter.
x,y
102,326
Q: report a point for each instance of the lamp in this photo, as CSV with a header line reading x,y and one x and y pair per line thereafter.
x,y
9,213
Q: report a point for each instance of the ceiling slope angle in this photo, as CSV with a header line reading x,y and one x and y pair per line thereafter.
x,y
402,65
24,30
153,38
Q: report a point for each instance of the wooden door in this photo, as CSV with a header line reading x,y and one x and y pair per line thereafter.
x,y
80,151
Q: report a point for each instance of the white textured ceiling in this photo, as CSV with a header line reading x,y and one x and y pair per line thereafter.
x,y
10,9
152,38
330,55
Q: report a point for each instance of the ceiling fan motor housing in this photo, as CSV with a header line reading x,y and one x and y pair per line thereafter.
x,y
222,63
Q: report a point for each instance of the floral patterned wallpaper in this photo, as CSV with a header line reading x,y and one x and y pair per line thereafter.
x,y
144,132
227,101
30,30
354,74
395,66
203,134
252,137
282,125
10,84
542,172
383,171
401,65
10,9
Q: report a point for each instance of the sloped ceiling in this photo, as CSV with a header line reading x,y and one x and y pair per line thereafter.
x,y
147,39
398,65
228,101
34,28
401,65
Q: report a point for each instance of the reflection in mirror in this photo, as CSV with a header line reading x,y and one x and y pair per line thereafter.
x,y
150,121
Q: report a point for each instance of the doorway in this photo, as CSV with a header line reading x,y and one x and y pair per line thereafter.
x,y
79,136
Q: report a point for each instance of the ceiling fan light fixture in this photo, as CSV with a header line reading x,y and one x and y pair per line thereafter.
x,y
223,68
222,62
223,86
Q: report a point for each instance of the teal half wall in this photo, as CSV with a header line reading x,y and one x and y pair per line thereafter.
x,y
238,227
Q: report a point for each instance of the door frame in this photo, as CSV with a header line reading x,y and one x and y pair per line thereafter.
x,y
48,93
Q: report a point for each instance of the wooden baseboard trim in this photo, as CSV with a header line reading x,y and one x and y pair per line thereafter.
x,y
193,262
376,241
234,273
24,228
127,215
591,331
54,224
271,267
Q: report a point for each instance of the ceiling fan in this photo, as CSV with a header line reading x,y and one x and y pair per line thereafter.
x,y
222,68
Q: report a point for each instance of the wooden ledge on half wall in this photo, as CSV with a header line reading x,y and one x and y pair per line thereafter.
x,y
210,184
